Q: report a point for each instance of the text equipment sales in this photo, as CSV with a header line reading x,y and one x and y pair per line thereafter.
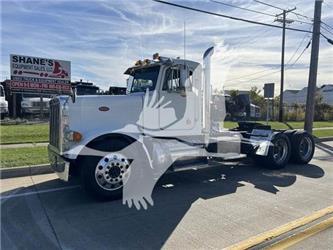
x,y
36,69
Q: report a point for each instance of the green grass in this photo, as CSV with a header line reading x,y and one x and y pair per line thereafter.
x,y
14,157
24,133
287,125
40,132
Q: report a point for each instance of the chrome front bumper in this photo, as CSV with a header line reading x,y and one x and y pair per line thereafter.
x,y
58,163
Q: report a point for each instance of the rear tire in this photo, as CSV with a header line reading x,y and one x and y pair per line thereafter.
x,y
303,147
278,154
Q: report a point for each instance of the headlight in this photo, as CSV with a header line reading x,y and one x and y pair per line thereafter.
x,y
69,137
25,104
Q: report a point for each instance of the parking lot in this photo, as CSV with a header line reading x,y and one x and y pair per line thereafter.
x,y
197,209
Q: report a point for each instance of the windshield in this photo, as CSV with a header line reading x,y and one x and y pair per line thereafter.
x,y
145,78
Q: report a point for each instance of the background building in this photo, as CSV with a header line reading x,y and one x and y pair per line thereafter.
x,y
291,97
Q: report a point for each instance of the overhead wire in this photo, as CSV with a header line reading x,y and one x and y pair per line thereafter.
x,y
256,11
327,30
242,8
229,17
288,66
265,70
327,25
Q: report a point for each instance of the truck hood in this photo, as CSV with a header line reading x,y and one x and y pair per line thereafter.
x,y
100,114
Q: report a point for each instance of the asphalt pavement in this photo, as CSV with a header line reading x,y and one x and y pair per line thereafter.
x,y
197,209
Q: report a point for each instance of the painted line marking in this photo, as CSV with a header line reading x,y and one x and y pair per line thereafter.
x,y
255,240
306,233
3,197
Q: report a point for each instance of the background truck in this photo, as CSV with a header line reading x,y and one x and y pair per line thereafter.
x,y
32,104
3,103
121,145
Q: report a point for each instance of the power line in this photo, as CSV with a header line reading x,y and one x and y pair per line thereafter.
x,y
242,8
261,71
229,17
307,46
291,11
288,66
245,76
275,7
327,25
256,11
300,15
300,44
328,39
323,27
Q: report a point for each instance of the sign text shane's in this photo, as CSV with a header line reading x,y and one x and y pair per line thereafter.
x,y
42,70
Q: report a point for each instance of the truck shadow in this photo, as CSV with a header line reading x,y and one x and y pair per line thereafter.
x,y
79,221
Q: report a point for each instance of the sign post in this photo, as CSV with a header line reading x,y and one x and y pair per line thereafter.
x,y
268,94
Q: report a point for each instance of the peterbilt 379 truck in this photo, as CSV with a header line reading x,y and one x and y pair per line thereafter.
x,y
164,123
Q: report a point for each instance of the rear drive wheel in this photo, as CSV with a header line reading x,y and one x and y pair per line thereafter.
x,y
278,154
303,147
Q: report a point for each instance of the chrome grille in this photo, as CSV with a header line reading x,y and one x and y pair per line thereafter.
x,y
55,123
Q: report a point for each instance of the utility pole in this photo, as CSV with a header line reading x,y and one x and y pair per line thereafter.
x,y
283,21
312,83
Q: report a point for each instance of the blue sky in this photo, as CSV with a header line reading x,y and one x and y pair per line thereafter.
x,y
103,38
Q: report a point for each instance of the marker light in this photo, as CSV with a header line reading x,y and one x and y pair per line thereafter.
x,y
77,136
156,56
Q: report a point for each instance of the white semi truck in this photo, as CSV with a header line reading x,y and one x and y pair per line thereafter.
x,y
164,123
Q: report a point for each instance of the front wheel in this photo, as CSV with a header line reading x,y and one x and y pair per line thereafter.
x,y
278,154
104,176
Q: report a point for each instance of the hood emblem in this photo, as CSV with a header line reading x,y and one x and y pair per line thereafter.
x,y
103,108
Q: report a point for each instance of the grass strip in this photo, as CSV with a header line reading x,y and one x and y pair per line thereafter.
x,y
24,133
14,157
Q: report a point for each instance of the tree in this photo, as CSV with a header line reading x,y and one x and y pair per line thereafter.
x,y
233,94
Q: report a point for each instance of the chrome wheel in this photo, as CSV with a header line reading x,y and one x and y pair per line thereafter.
x,y
305,147
280,150
112,171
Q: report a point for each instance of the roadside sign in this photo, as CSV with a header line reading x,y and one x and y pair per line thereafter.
x,y
269,90
39,75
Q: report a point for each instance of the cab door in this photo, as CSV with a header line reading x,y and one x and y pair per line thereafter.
x,y
177,110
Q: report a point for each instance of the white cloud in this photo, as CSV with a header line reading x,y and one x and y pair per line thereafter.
x,y
103,38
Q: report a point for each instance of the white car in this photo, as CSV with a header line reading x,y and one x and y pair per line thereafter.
x,y
3,103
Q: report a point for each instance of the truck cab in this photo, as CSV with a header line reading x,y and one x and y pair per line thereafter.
x,y
123,144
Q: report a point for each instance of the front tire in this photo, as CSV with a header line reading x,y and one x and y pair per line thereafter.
x,y
105,176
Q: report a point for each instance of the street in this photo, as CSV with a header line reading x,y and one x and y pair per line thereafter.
x,y
197,209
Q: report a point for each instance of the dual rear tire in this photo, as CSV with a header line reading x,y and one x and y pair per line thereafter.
x,y
298,148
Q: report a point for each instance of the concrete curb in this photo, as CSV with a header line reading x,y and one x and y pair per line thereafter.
x,y
25,171
323,139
